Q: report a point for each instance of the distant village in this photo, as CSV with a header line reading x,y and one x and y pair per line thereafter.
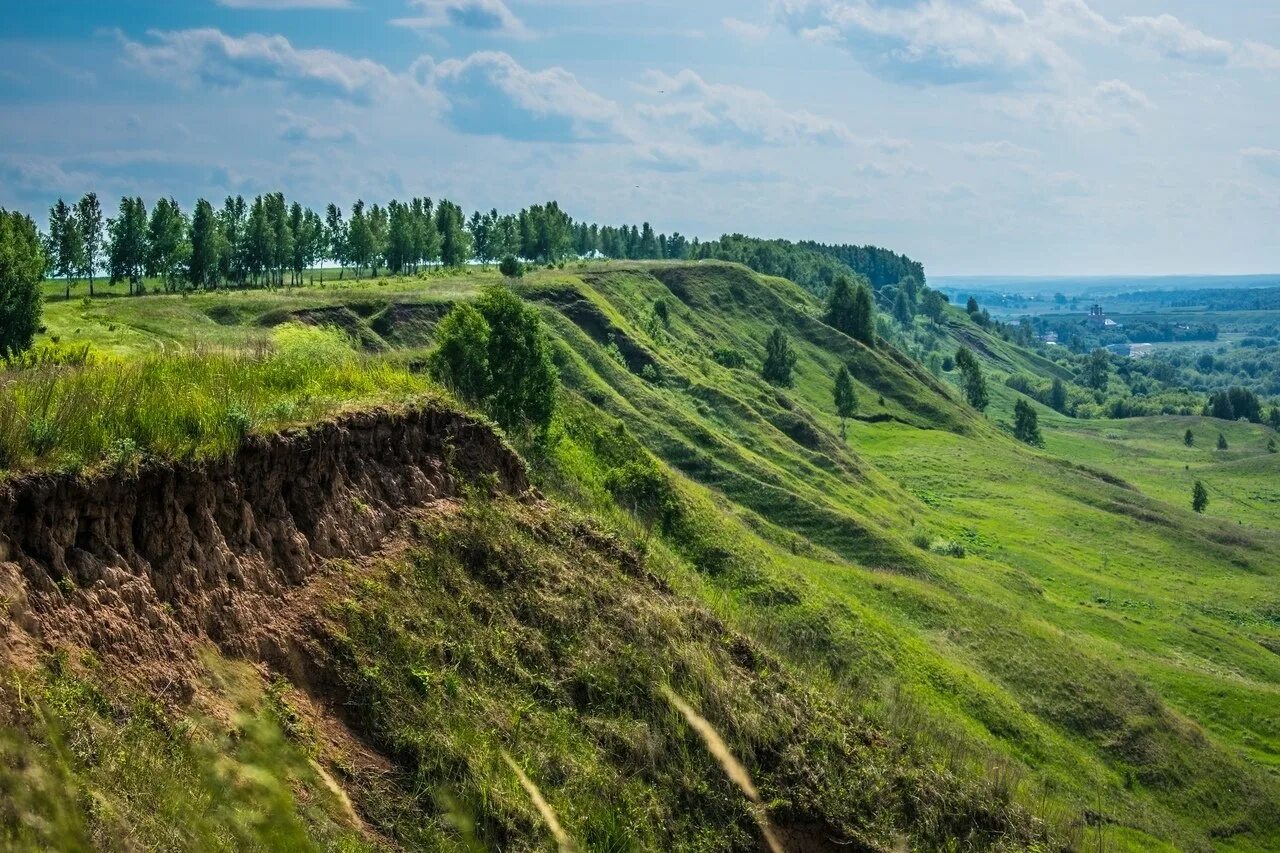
x,y
1099,320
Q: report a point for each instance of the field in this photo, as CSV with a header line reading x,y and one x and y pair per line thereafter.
x,y
1056,619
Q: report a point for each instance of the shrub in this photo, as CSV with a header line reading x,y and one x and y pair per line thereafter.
x,y
642,488
496,355
947,548
511,267
728,357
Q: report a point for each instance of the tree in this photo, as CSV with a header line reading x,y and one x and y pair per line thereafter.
x,y
1058,395
167,248
206,247
1233,404
455,242
1189,438
127,254
481,228
1026,424
460,360
903,308
972,380
971,307
359,240
523,378
298,240
22,266
1199,497
1097,370
840,308
1271,445
232,227
779,358
426,239
335,232
1275,418
1222,441
864,315
663,312
259,241
379,233
933,305
89,218
66,247
846,398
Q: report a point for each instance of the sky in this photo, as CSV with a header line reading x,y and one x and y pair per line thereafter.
x,y
982,137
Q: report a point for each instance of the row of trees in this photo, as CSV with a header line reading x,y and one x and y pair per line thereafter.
x,y
258,242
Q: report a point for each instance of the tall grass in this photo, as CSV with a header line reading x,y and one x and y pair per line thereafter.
x,y
733,768
75,412
563,841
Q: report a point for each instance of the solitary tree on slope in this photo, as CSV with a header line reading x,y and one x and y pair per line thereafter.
x,y
779,358
846,398
1199,497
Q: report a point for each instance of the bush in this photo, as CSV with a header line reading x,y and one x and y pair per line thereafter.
x,y
947,548
728,357
511,267
496,355
643,489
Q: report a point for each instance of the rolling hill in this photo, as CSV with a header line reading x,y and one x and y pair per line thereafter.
x,y
923,631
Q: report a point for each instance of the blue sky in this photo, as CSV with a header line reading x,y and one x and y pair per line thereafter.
x,y
981,136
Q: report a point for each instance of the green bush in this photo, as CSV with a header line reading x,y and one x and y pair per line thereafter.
x,y
511,267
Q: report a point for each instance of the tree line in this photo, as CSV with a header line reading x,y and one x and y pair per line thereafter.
x,y
267,241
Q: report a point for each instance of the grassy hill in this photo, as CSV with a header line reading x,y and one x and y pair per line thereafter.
x,y
952,635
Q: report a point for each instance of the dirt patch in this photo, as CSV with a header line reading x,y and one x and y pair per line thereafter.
x,y
140,566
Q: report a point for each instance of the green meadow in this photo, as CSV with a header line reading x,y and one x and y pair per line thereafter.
x,y
1052,630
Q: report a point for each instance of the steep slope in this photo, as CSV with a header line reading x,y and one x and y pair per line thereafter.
x,y
1014,643
1057,621
417,614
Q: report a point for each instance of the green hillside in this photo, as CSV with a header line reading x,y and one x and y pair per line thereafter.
x,y
923,631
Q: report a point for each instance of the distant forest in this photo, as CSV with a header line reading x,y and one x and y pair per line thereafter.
x,y
1216,299
269,242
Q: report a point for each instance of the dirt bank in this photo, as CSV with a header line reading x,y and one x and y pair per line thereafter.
x,y
136,565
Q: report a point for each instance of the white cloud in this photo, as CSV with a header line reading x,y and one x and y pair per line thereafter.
x,y
490,92
1254,54
1000,149
212,57
301,128
1174,39
485,15
987,42
745,30
716,112
997,43
1110,105
1121,95
1263,159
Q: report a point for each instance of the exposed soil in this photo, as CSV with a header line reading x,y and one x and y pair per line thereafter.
x,y
143,566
